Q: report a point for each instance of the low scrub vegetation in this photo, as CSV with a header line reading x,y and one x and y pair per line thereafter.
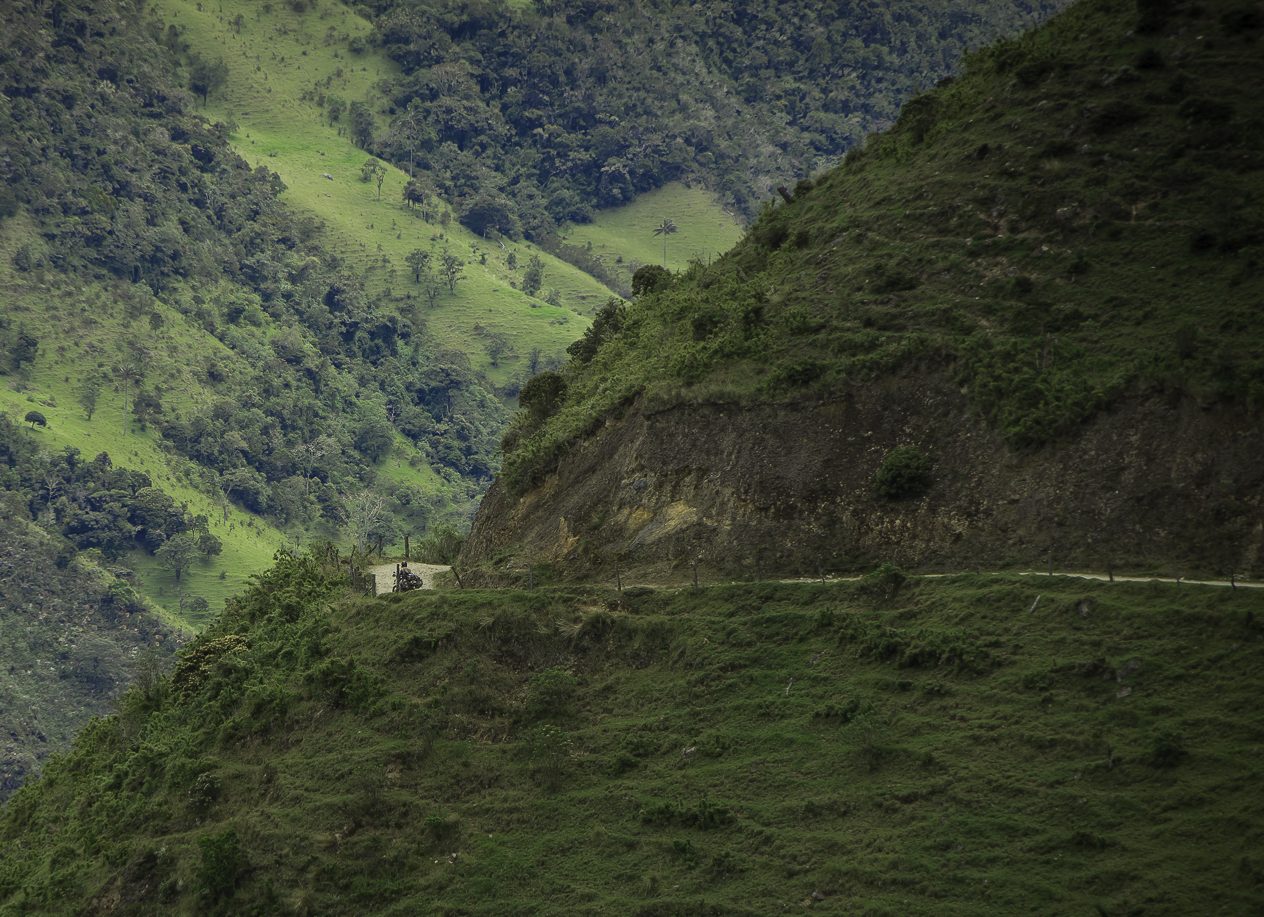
x,y
631,752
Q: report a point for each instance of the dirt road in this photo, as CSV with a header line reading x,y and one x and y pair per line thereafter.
x,y
384,575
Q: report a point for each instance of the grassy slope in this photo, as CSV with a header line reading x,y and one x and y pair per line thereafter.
x,y
84,326
706,230
957,748
272,63
1073,219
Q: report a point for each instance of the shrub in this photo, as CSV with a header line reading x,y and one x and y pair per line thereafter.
x,y
550,693
903,474
222,862
542,396
1167,750
650,279
549,750
203,793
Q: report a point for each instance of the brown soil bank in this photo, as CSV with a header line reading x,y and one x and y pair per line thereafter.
x,y
779,489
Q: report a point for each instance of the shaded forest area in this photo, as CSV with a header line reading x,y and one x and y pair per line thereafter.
x,y
528,118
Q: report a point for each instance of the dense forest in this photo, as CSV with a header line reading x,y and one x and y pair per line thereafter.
x,y
530,117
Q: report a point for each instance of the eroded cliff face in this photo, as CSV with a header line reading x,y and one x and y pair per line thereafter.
x,y
788,489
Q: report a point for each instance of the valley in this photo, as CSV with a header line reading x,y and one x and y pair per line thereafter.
x,y
826,438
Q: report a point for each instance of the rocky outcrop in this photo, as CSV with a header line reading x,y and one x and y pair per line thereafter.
x,y
788,488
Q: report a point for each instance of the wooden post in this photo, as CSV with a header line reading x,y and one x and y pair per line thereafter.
x,y
406,550
1233,581
618,577
457,574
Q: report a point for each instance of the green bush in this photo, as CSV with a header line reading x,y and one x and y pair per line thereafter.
x,y
903,474
549,749
221,864
551,693
650,278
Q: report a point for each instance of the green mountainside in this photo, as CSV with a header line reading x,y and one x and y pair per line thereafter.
x,y
529,116
208,280
891,746
1042,284
1017,329
160,304
73,636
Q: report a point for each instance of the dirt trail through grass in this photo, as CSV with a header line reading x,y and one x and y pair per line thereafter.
x,y
1100,577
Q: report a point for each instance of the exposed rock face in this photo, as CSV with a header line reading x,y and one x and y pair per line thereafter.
x,y
789,489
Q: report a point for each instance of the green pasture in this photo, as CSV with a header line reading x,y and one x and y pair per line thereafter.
x,y
278,63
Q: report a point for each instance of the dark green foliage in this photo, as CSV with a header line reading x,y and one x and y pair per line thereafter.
x,y
905,473
542,396
533,277
606,324
550,694
92,503
580,740
531,117
35,419
221,864
361,124
206,76
650,278
1167,750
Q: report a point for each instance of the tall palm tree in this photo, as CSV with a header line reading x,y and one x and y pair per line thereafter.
x,y
665,229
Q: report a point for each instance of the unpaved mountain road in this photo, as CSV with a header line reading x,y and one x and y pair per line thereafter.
x,y
384,578
384,575
1103,577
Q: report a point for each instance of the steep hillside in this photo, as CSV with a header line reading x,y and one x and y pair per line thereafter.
x,y
283,65
529,116
1019,325
160,304
72,638
974,745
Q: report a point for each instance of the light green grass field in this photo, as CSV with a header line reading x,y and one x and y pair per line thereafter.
x,y
274,65
706,230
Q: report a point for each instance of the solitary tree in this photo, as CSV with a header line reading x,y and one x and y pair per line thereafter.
x,y
179,552
361,125
35,418
665,229
418,261
334,106
126,377
452,269
88,392
533,279
205,76
431,285
417,194
373,171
